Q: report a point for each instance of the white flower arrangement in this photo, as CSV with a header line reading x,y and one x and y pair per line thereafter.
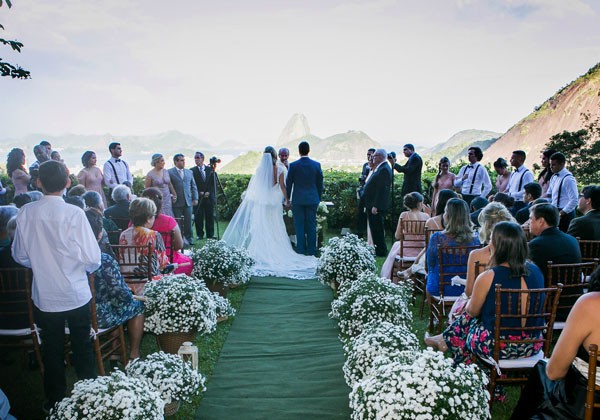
x,y
217,262
343,259
371,298
377,339
175,379
117,396
429,386
322,212
179,303
223,306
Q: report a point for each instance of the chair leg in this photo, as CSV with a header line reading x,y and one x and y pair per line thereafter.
x,y
98,354
492,386
122,345
431,317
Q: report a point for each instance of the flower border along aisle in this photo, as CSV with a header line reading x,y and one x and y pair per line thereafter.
x,y
343,259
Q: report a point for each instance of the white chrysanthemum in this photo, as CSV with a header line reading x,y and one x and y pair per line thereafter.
x,y
343,259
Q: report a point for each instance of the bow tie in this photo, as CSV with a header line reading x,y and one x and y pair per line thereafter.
x,y
470,166
117,160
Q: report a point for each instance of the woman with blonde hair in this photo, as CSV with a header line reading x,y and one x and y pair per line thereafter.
x,y
159,177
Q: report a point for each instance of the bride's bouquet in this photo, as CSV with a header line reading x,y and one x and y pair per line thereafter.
x,y
344,259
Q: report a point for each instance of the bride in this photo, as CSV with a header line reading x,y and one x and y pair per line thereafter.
x,y
258,226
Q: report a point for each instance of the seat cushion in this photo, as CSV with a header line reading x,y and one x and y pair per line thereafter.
x,y
526,362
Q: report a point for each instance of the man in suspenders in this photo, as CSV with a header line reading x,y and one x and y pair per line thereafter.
x,y
518,179
562,190
473,179
116,171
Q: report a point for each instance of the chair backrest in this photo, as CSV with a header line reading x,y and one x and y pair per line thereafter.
x,y
413,236
428,232
452,261
589,249
16,308
531,311
180,221
573,279
136,262
590,404
169,244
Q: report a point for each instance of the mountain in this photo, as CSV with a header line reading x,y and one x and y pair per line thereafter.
x,y
296,128
455,148
560,112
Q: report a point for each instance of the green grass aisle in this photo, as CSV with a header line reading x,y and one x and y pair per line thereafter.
x,y
282,357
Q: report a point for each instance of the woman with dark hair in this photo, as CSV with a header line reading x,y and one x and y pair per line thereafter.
x,y
557,387
15,169
501,168
546,174
437,221
165,225
444,180
159,177
91,176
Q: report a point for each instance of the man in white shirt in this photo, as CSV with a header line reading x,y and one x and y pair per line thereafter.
x,y
473,179
562,190
116,171
56,241
520,177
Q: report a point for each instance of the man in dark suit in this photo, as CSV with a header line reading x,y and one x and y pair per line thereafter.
x,y
187,194
411,169
119,212
532,191
362,217
377,199
204,177
304,186
550,243
587,227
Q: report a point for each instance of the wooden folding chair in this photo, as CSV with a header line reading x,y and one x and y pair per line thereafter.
x,y
18,326
420,281
530,314
136,263
589,249
168,239
452,261
592,388
180,222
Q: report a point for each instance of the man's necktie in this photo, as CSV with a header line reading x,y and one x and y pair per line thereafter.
x,y
203,174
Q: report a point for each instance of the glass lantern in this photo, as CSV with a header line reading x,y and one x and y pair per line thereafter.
x,y
189,353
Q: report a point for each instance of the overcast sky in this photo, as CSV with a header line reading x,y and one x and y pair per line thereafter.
x,y
237,70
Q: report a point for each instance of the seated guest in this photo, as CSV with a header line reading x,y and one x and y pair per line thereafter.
x,y
587,227
533,191
76,200
556,387
414,202
6,213
457,232
22,199
119,211
437,222
505,199
35,195
114,301
470,337
477,205
94,200
550,243
491,215
76,191
165,225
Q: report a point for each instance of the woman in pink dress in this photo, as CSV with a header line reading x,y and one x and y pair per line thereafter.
x,y
15,168
501,168
165,225
91,176
159,177
444,180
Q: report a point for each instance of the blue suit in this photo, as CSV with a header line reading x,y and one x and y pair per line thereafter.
x,y
304,185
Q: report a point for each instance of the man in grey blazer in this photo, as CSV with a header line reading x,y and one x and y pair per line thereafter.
x,y
187,194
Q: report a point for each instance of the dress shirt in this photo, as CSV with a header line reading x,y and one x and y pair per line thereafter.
x,y
563,184
517,181
482,185
55,239
122,169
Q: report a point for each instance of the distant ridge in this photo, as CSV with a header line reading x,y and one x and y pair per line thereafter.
x,y
455,148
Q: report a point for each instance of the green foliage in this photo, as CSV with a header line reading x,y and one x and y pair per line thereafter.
x,y
7,69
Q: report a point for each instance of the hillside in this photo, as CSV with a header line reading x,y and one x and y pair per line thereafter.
x,y
559,113
455,148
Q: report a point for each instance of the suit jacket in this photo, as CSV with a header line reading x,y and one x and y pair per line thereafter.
x,y
185,188
556,246
206,185
119,211
304,182
586,227
523,215
377,189
412,174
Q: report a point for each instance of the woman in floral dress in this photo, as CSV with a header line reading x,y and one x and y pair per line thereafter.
x,y
159,177
91,176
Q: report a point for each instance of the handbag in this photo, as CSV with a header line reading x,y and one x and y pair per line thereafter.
x,y
458,308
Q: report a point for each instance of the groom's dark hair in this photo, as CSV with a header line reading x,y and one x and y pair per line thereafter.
x,y
303,148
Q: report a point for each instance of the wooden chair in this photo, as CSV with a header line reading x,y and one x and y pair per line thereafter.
x,y
16,309
180,222
533,311
106,341
452,261
592,388
589,249
136,263
415,229
168,239
573,278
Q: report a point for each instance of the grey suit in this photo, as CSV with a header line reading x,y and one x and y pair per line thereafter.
x,y
186,193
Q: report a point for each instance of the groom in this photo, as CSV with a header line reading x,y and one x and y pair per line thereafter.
x,y
304,187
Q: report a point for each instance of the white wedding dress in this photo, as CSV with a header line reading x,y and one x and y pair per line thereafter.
x,y
258,226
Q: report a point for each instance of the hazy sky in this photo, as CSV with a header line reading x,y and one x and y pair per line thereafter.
x,y
237,70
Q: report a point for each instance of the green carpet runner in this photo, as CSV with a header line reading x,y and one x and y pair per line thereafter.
x,y
282,358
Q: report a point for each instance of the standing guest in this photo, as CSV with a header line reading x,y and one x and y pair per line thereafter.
x,y
204,212
159,177
532,191
377,199
501,168
444,180
304,188
550,243
473,179
55,155
15,169
411,169
91,176
284,155
477,206
587,227
546,174
119,212
60,289
562,190
520,176
41,154
46,144
116,170
187,195
362,216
